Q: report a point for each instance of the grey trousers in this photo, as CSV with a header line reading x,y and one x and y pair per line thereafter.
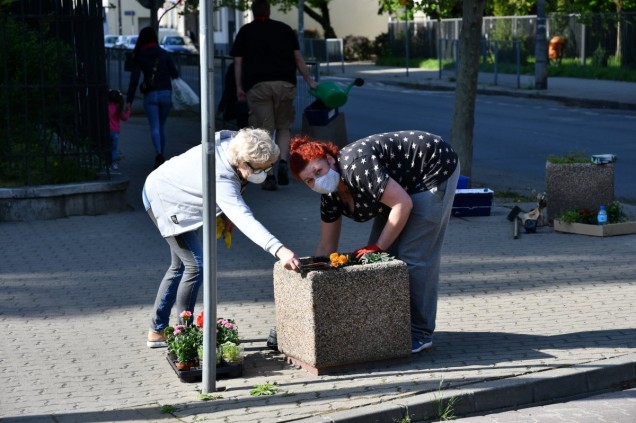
x,y
420,246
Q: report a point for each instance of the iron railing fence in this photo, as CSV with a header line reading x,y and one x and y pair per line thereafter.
x,y
189,70
53,97
586,36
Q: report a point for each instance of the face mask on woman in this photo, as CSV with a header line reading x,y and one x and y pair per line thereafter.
x,y
327,183
257,178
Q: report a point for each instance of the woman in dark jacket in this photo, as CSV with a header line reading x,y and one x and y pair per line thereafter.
x,y
159,71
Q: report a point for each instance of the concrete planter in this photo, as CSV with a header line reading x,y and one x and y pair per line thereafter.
x,y
611,229
340,318
43,202
578,185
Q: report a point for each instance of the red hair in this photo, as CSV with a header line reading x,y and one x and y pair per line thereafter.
x,y
303,149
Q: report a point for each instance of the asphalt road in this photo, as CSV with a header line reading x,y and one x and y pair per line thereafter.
x,y
513,136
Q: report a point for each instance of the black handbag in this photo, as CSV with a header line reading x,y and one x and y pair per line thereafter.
x,y
149,85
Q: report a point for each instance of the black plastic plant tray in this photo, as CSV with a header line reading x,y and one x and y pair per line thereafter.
x,y
195,374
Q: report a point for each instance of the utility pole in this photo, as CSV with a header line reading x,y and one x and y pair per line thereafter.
x,y
541,50
119,28
154,8
206,57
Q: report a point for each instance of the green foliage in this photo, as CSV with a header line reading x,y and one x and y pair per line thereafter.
x,y
226,331
514,196
369,258
569,158
439,9
231,352
264,389
40,145
184,340
168,409
615,214
357,48
599,57
445,409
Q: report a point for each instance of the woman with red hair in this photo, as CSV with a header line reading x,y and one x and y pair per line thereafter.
x,y
405,181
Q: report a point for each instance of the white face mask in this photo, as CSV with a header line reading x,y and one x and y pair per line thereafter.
x,y
257,178
327,183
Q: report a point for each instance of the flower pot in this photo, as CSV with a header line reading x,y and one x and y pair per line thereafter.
x,y
185,365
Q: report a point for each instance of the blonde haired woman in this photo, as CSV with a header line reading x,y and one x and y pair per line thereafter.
x,y
173,197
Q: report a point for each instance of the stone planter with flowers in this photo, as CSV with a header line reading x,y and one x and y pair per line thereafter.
x,y
574,181
335,314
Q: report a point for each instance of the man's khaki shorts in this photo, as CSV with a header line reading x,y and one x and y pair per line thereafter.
x,y
272,105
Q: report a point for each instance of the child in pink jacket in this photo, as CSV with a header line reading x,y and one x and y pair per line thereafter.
x,y
116,113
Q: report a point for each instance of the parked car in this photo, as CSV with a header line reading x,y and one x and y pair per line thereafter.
x,y
110,41
131,40
126,41
178,44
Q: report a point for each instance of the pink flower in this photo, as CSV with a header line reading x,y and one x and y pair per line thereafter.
x,y
186,315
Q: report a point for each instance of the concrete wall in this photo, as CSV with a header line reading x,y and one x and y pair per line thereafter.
x,y
348,17
43,202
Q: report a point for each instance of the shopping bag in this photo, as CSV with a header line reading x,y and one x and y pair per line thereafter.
x,y
183,97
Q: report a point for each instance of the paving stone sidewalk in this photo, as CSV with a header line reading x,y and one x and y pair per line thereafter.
x,y
543,316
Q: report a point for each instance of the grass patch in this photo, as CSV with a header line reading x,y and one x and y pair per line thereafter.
x,y
569,67
515,197
168,409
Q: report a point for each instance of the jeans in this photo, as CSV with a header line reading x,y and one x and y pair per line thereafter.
x,y
157,105
114,145
419,245
180,285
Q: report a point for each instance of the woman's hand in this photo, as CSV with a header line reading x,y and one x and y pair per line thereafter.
x,y
288,259
241,96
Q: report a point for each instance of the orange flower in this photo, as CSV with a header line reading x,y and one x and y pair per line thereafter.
x,y
343,259
333,257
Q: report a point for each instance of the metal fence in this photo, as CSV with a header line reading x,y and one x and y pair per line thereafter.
x,y
587,36
52,92
189,70
325,51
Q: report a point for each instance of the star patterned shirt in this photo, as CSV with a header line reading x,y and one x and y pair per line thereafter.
x,y
416,160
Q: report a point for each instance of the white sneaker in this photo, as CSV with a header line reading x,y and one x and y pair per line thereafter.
x,y
156,340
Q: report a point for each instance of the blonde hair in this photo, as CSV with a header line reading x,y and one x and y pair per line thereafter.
x,y
252,145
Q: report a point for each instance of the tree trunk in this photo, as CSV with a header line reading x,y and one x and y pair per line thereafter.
x,y
466,85
619,31
323,18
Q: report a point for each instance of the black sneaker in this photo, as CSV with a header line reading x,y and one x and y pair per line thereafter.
x,y
283,173
270,183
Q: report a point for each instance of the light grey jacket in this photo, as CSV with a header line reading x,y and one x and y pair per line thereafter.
x,y
175,193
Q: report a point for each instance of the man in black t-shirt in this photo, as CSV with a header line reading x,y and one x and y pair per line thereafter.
x,y
266,55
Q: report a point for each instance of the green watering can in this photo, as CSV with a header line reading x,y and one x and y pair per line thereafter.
x,y
334,95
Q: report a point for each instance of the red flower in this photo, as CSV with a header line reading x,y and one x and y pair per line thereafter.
x,y
199,321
